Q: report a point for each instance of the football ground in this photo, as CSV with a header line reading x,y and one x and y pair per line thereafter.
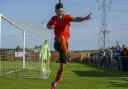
x,y
76,76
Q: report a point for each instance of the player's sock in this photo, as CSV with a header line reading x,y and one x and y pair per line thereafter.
x,y
53,85
44,66
58,76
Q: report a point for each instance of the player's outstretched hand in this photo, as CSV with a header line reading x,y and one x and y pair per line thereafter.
x,y
89,16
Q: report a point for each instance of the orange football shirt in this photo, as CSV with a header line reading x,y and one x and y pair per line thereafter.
x,y
61,26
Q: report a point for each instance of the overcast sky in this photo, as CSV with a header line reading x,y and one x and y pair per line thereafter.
x,y
35,14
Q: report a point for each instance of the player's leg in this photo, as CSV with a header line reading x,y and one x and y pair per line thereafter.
x,y
64,46
62,59
63,43
45,64
48,64
59,73
58,76
42,64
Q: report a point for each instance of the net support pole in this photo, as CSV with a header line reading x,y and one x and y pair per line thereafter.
x,y
24,51
0,41
0,30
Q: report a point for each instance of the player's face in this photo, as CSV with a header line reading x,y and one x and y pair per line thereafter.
x,y
59,11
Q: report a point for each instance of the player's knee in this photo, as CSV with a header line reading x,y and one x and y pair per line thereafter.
x,y
61,38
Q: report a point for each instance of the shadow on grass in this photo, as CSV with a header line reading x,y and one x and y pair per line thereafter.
x,y
120,78
99,74
118,84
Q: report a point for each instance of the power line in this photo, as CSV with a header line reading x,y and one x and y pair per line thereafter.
x,y
118,1
84,6
120,29
119,11
104,31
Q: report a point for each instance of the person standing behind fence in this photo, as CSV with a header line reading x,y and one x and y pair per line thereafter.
x,y
124,58
103,58
108,58
117,56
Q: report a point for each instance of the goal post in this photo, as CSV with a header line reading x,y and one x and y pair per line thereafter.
x,y
17,26
20,46
0,29
0,42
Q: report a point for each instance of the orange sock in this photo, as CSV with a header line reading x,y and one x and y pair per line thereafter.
x,y
58,76
63,44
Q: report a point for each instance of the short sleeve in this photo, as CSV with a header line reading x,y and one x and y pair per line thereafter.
x,y
68,18
52,21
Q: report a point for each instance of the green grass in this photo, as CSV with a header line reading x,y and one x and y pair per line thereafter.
x,y
76,76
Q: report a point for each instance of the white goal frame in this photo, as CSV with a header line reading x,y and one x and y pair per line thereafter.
x,y
19,27
30,64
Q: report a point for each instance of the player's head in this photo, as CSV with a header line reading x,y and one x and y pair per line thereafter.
x,y
45,41
59,9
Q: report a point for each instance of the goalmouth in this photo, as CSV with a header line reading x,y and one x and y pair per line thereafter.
x,y
19,54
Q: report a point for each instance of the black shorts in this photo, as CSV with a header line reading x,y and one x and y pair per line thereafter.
x,y
57,46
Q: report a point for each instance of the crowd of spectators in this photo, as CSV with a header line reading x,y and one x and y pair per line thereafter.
x,y
116,57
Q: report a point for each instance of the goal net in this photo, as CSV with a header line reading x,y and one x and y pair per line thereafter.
x,y
20,46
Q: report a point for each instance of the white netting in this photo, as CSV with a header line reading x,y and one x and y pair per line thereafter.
x,y
20,46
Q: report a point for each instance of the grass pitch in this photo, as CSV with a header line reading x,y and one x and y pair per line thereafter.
x,y
76,76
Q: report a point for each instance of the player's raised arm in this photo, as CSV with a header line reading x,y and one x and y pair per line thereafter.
x,y
80,19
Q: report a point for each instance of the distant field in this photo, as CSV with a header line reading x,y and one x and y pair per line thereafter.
x,y
76,76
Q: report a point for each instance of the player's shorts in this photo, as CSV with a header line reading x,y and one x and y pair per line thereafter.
x,y
57,46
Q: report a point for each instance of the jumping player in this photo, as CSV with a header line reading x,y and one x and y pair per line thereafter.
x,y
61,24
